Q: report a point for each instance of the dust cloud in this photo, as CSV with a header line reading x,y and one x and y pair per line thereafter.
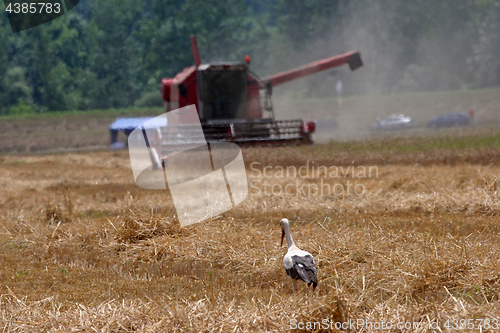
x,y
408,55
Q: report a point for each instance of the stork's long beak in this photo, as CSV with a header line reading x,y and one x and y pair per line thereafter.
x,y
282,236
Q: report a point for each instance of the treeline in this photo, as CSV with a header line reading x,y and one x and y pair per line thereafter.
x,y
113,53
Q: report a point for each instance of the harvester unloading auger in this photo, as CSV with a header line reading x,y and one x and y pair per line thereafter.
x,y
228,100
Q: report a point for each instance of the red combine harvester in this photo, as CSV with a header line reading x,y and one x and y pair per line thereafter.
x,y
228,100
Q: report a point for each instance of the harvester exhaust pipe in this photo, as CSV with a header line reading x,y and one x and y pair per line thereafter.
x,y
194,48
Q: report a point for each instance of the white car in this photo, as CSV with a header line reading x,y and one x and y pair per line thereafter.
x,y
395,121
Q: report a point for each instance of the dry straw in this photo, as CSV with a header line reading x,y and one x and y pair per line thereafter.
x,y
420,245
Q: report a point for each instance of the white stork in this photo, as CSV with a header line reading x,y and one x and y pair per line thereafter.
x,y
298,264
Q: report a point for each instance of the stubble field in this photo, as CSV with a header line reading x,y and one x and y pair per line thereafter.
x,y
404,232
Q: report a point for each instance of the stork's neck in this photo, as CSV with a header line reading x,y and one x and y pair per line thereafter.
x,y
288,235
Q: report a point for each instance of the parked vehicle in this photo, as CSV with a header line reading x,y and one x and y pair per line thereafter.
x,y
395,121
449,119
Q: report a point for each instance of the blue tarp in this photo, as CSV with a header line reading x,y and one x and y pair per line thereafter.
x,y
130,124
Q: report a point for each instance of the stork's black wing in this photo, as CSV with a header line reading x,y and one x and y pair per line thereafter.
x,y
304,268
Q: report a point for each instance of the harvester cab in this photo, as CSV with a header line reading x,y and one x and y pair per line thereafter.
x,y
222,91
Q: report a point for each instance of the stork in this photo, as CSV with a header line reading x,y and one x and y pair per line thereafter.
x,y
298,264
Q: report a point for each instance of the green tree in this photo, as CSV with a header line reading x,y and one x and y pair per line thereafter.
x,y
115,53
15,89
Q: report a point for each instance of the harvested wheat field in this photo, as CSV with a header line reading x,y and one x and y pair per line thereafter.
x,y
405,240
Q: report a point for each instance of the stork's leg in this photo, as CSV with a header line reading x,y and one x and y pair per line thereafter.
x,y
294,283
